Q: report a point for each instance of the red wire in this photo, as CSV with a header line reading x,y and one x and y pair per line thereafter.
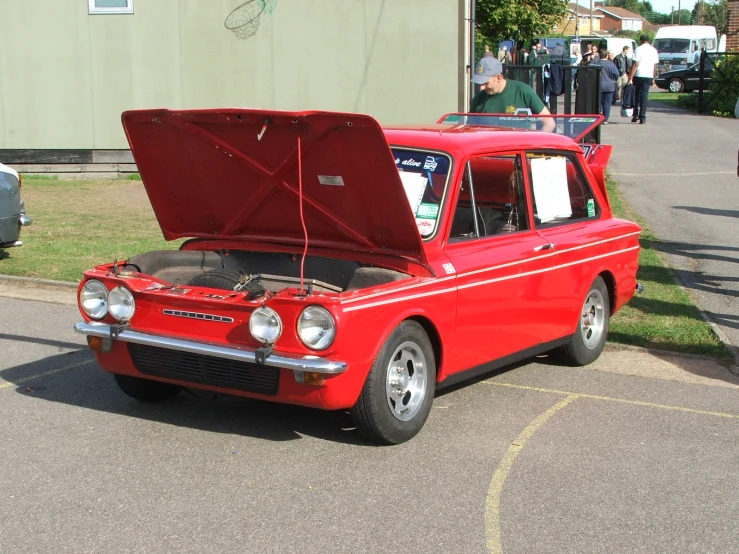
x,y
302,218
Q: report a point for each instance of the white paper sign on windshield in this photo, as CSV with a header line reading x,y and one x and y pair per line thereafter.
x,y
414,185
549,177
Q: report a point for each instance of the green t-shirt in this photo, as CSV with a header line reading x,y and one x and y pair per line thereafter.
x,y
515,95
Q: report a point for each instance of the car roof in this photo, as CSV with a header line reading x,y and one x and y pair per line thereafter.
x,y
464,139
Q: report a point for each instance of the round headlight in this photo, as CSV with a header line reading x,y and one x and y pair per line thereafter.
x,y
121,304
265,325
316,328
94,299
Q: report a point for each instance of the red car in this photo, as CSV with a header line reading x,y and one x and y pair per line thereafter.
x,y
335,264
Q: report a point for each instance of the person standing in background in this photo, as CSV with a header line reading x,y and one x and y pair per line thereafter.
x,y
696,53
608,78
623,64
641,74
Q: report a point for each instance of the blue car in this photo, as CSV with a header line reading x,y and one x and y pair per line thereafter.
x,y
12,210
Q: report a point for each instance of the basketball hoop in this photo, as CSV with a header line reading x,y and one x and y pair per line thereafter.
x,y
244,20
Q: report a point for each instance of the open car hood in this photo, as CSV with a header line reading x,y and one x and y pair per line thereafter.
x,y
575,126
233,174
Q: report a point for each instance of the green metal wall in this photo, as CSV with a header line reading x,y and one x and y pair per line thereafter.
x,y
66,76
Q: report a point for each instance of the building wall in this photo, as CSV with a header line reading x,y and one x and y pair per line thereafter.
x,y
610,23
583,27
66,76
732,35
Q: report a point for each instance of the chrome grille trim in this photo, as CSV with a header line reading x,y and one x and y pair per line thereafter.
x,y
196,315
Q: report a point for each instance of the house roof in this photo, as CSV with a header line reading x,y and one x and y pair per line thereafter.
x,y
581,10
619,13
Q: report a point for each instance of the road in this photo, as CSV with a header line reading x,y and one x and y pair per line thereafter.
x,y
636,453
679,173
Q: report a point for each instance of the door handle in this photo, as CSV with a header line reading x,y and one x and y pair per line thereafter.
x,y
549,246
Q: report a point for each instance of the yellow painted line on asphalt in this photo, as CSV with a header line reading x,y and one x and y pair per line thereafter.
x,y
621,400
495,489
492,501
44,374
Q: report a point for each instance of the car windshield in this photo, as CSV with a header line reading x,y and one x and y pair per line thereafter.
x,y
424,176
572,126
663,45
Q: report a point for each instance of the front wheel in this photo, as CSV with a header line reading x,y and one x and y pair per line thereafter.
x,y
146,390
397,395
676,85
590,336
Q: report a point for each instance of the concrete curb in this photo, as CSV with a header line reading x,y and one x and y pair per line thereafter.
x,y
35,282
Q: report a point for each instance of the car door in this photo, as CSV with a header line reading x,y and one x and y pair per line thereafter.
x,y
567,214
497,259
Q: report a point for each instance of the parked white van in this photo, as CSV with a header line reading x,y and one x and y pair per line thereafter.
x,y
612,44
676,44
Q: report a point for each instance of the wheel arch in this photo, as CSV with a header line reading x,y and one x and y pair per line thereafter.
x,y
434,336
610,282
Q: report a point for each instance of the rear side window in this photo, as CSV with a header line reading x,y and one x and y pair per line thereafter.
x,y
561,193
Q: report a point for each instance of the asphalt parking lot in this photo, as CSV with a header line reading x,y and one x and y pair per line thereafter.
x,y
634,454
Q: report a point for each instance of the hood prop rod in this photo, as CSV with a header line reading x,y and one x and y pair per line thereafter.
x,y
302,218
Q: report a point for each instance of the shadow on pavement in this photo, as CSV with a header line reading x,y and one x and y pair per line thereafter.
x,y
709,211
81,383
85,385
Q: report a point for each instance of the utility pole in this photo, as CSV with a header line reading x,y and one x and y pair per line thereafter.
x,y
591,17
678,13
672,15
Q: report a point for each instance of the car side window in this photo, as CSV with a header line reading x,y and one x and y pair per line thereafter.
x,y
492,199
560,191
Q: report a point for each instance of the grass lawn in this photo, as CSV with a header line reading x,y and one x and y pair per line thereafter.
x,y
668,97
664,315
79,224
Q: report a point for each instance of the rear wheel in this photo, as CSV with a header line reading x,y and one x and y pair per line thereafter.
x,y
146,390
592,328
397,395
676,85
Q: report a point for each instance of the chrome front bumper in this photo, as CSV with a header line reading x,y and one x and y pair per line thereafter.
x,y
25,220
311,364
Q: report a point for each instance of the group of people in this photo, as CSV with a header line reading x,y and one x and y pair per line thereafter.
x,y
500,95
621,71
518,55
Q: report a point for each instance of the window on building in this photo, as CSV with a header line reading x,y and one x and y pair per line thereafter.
x,y
110,6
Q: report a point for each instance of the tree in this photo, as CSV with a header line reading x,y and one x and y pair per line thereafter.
x,y
716,13
522,19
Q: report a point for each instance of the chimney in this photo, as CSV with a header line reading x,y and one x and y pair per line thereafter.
x,y
732,35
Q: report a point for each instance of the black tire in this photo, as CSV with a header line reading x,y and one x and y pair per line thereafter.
x,y
589,338
146,390
676,85
221,279
392,418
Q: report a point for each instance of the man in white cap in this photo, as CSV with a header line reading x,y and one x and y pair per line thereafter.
x,y
501,96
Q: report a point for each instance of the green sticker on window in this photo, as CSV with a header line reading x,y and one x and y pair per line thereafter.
x,y
591,208
428,211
